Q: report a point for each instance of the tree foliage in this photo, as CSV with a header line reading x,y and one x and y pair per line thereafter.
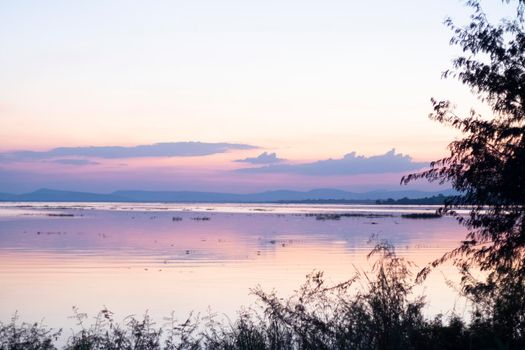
x,y
487,166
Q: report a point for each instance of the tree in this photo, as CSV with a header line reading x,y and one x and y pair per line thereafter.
x,y
487,167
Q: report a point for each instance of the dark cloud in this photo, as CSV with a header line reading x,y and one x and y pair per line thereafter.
x,y
69,161
167,149
263,158
350,164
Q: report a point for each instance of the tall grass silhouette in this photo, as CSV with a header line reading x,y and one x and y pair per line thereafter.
x,y
375,310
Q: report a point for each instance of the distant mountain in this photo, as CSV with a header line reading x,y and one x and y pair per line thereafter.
x,y
5,196
179,196
48,195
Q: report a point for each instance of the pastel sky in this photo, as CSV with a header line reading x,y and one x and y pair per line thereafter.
x,y
106,95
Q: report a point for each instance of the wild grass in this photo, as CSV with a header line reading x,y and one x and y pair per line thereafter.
x,y
27,336
376,310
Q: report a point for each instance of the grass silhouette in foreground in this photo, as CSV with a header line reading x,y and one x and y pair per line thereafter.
x,y
376,310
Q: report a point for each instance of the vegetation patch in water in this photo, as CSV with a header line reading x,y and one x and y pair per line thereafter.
x,y
201,218
421,216
338,216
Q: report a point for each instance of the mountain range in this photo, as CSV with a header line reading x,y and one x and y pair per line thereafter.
x,y
50,195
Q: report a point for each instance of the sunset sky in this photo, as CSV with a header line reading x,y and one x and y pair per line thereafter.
x,y
229,95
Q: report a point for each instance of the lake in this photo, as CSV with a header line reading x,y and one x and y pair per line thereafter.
x,y
193,257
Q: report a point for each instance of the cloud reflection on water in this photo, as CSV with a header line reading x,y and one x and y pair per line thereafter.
x,y
137,257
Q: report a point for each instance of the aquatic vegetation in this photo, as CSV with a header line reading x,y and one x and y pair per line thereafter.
x,y
201,218
338,216
421,216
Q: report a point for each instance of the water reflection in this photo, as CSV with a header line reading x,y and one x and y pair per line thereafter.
x,y
132,258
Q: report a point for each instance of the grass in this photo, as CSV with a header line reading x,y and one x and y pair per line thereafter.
x,y
377,310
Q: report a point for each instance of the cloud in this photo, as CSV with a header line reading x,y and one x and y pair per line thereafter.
x,y
263,158
71,161
350,164
167,149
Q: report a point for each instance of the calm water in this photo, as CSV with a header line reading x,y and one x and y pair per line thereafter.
x,y
136,257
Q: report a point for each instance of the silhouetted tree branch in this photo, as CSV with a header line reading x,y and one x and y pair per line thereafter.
x,y
487,166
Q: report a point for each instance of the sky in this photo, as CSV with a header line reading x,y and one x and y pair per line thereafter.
x,y
231,95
